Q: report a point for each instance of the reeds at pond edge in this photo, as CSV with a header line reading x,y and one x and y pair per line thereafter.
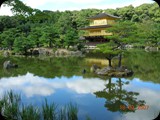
x,y
12,108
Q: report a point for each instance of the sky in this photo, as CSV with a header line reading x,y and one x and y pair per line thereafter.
x,y
63,5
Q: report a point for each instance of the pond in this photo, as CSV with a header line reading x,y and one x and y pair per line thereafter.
x,y
60,80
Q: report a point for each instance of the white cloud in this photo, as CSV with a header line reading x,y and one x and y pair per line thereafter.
x,y
35,4
86,86
5,10
139,2
123,3
37,90
84,4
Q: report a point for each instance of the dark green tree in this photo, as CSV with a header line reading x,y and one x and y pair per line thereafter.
x,y
109,50
7,22
35,35
22,44
25,28
122,33
70,38
49,35
148,33
7,38
126,12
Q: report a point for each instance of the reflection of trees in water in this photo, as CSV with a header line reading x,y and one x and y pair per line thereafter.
x,y
146,65
48,67
117,97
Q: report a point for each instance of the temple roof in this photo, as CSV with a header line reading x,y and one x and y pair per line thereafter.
x,y
103,15
94,27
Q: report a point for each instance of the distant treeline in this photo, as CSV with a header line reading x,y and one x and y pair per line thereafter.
x,y
30,28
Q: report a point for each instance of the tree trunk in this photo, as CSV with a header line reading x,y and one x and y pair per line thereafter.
x,y
50,44
109,58
120,60
110,62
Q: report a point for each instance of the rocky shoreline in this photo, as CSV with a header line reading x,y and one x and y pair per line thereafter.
x,y
45,52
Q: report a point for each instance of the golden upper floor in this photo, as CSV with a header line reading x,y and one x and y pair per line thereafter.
x,y
101,22
98,25
102,19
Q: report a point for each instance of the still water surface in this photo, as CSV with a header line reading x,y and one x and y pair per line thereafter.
x,y
61,80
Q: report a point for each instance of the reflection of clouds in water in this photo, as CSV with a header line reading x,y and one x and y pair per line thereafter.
x,y
86,86
37,90
35,85
151,97
32,85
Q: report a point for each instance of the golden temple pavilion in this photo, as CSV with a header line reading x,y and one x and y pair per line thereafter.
x,y
95,32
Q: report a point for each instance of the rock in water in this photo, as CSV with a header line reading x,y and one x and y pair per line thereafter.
x,y
5,53
8,64
114,72
94,68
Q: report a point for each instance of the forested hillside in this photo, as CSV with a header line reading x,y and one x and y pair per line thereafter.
x,y
31,28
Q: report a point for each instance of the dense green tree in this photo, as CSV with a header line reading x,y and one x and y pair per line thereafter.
x,y
7,38
148,33
25,28
68,33
126,12
39,17
111,11
53,16
64,22
35,35
154,38
22,44
7,22
109,50
49,35
135,18
71,38
139,13
122,34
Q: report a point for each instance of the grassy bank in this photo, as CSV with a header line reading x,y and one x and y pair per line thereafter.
x,y
12,108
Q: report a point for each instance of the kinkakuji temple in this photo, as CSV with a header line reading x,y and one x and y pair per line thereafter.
x,y
97,30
